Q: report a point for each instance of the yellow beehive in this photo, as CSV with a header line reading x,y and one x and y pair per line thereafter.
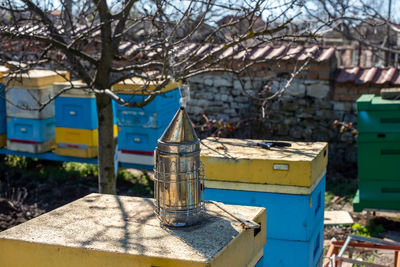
x,y
234,161
76,136
3,140
80,143
109,230
89,152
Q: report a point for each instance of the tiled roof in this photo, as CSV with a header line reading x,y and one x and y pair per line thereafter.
x,y
259,52
372,75
269,52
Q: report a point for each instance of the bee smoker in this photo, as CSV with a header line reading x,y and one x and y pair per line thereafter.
x,y
178,176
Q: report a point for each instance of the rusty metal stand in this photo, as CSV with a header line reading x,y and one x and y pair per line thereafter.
x,y
334,256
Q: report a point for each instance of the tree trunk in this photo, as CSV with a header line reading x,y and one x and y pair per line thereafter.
x,y
107,178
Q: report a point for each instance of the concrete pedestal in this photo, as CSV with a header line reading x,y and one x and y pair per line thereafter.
x,y
106,230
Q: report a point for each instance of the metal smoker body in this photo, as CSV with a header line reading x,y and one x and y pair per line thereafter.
x,y
178,175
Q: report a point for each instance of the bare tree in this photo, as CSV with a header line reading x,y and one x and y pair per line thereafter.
x,y
106,42
367,23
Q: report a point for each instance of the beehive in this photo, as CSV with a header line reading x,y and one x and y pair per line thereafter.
x,y
109,230
27,89
76,108
30,130
139,128
288,181
76,122
378,153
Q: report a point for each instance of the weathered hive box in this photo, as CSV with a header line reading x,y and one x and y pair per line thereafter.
x,y
30,135
28,130
288,181
140,128
378,153
106,230
28,89
76,142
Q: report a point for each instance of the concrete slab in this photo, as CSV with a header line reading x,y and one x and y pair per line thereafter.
x,y
106,230
337,217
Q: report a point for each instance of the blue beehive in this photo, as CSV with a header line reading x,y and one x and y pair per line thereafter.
x,y
291,216
157,114
30,135
294,225
3,121
76,113
30,130
289,182
138,138
282,252
75,108
140,128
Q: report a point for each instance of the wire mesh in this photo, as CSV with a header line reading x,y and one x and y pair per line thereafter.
x,y
179,211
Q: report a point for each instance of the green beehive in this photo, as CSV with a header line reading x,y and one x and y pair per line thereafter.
x,y
378,153
377,115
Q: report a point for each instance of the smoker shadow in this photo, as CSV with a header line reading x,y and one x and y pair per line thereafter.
x,y
139,231
125,219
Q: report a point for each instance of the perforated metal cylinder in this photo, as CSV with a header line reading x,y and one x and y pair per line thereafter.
x,y
178,174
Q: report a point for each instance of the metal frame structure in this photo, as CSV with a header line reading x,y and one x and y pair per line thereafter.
x,y
334,256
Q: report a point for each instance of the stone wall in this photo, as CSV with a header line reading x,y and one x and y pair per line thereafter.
x,y
305,111
351,92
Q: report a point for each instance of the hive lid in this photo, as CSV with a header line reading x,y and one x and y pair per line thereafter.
x,y
3,70
233,160
36,78
372,102
77,92
136,86
179,133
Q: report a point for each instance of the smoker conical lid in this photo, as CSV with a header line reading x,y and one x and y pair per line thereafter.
x,y
180,129
180,132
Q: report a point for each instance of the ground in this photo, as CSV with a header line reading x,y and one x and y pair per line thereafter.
x,y
30,187
340,190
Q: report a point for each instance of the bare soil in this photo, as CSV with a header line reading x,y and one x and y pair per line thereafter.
x,y
341,187
25,194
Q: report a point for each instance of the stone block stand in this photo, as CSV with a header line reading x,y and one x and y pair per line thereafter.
x,y
106,230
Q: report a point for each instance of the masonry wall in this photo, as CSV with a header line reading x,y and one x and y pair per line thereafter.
x,y
350,92
305,112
